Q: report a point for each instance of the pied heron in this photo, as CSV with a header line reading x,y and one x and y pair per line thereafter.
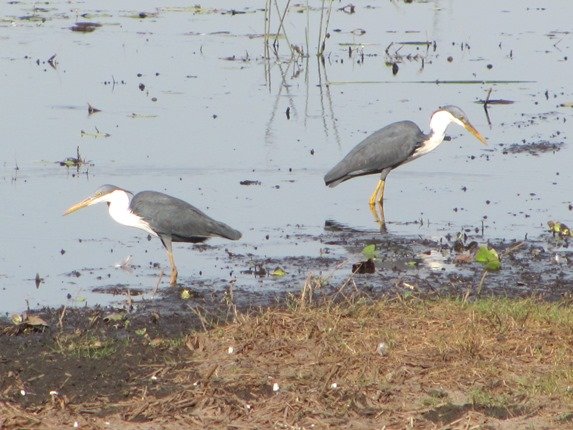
x,y
394,145
169,218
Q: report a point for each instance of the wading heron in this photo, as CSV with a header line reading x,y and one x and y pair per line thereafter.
x,y
169,218
394,145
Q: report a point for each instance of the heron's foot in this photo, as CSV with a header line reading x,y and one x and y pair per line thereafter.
x,y
373,198
378,194
173,279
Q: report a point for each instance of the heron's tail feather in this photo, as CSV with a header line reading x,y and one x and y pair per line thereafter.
x,y
223,230
335,176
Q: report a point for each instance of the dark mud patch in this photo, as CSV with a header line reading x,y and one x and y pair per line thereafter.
x,y
539,267
119,290
534,148
85,27
248,182
449,413
86,355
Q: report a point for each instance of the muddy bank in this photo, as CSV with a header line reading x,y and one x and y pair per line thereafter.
x,y
342,361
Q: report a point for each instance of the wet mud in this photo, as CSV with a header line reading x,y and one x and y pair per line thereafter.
x,y
539,267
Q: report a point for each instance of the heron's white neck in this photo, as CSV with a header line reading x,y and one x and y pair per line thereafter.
x,y
438,125
118,205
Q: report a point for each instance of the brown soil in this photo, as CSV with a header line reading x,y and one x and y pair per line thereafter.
x,y
343,361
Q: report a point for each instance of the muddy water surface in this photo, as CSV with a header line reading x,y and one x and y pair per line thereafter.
x,y
191,106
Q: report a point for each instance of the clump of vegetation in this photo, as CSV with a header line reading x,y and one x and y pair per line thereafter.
x,y
330,362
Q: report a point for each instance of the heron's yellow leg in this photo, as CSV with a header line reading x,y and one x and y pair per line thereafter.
x,y
378,194
173,279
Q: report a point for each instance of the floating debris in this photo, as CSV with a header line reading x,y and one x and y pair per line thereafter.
x,y
495,102
92,110
140,115
52,61
95,135
76,162
244,59
349,9
38,280
250,182
85,27
125,264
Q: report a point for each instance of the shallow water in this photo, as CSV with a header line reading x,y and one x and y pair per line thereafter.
x,y
212,113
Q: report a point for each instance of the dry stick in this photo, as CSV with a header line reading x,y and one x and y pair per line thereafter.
x,y
158,282
267,25
466,296
129,301
61,320
208,376
481,282
202,318
514,248
330,374
320,28
306,30
281,25
485,103
323,44
267,54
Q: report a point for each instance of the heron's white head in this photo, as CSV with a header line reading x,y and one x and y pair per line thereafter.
x,y
118,201
445,115
111,194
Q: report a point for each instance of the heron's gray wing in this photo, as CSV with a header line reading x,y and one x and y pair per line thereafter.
x,y
170,216
384,149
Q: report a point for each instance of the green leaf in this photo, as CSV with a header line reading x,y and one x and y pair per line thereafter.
x,y
114,317
278,272
488,257
369,252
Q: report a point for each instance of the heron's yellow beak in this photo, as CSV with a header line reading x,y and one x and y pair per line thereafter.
x,y
472,130
84,203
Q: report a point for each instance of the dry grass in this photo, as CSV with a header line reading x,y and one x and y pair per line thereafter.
x,y
502,357
495,363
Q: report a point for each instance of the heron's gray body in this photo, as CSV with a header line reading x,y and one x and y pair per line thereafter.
x,y
380,152
175,220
